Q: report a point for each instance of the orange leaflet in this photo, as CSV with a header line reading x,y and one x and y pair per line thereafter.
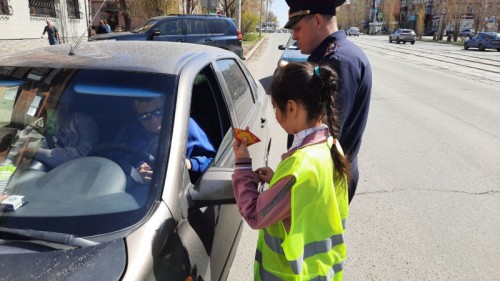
x,y
240,134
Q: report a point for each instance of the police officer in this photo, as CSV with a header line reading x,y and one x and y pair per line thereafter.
x,y
315,28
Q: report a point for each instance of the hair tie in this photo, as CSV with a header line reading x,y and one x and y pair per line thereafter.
x,y
316,71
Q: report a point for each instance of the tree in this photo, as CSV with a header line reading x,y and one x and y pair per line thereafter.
x,y
125,13
352,13
248,22
390,9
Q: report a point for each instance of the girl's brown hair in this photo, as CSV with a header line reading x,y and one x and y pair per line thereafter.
x,y
315,87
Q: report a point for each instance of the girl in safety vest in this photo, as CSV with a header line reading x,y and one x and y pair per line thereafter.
x,y
301,217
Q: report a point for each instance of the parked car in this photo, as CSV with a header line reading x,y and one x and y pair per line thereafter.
x,y
212,30
403,35
93,217
483,41
291,53
466,32
353,31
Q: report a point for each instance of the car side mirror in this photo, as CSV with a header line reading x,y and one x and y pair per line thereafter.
x,y
470,36
156,32
281,47
215,187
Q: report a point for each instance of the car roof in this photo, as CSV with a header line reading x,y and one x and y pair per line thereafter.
x,y
190,15
144,56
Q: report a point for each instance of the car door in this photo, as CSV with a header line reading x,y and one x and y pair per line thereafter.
x,y
198,32
169,30
210,234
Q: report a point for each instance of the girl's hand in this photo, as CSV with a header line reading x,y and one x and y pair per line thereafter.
x,y
240,149
265,174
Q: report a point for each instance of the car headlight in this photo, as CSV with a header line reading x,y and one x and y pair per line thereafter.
x,y
282,63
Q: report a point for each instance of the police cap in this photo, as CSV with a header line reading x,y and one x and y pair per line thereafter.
x,y
300,8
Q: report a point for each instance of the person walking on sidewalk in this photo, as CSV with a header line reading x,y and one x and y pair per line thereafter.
x,y
315,29
52,33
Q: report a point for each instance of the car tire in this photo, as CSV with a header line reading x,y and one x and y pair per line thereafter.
x,y
466,46
390,39
498,49
413,42
481,47
404,42
397,40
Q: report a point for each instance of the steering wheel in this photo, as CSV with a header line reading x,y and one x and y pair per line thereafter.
x,y
102,148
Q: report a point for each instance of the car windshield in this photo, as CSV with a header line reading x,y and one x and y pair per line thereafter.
x,y
66,160
145,26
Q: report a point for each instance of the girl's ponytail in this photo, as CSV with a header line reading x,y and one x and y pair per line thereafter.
x,y
331,101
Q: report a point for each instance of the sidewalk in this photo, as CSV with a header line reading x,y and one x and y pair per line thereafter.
x,y
12,46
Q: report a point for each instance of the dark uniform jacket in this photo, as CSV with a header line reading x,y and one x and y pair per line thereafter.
x,y
355,79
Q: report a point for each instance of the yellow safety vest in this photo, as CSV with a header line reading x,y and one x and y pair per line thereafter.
x,y
314,248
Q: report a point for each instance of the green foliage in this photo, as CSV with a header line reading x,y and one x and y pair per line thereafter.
x,y
252,36
249,21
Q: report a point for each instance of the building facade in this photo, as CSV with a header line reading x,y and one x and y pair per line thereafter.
x,y
25,19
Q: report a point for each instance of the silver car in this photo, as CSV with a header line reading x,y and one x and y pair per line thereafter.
x,y
403,35
93,215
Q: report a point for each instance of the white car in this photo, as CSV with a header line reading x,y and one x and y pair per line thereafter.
x,y
354,31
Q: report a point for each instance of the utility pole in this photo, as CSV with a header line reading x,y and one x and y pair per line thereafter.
x,y
260,19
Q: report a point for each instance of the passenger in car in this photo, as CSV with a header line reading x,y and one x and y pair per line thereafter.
x,y
144,134
68,135
302,215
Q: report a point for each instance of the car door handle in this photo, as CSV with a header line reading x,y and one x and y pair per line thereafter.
x,y
181,40
263,122
208,40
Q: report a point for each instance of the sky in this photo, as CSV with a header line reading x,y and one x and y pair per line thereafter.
x,y
280,9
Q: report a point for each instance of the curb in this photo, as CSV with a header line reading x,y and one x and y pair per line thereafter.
x,y
249,54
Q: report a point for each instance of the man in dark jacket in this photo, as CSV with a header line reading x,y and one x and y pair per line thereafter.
x,y
315,28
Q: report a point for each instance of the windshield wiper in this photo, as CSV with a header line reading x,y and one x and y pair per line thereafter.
x,y
49,236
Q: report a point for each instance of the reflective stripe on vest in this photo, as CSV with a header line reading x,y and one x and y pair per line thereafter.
x,y
310,249
267,276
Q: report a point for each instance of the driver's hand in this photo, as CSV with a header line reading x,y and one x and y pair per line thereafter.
x,y
146,172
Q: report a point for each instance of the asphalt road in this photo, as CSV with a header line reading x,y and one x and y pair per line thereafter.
x,y
428,203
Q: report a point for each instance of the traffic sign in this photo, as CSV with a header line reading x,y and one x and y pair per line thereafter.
x,y
380,15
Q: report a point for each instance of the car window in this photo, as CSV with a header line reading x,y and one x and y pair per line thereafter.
x,y
70,140
196,26
238,87
145,26
209,109
218,26
171,27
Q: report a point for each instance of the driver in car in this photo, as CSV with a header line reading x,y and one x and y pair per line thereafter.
x,y
68,135
144,135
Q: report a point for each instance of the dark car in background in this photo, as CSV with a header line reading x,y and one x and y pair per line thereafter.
x,y
213,30
291,53
94,217
403,35
483,41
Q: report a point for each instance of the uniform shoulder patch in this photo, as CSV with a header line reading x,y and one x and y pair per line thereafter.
x,y
332,48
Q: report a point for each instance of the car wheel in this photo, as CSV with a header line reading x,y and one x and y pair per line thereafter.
x,y
413,42
481,47
466,46
498,49
397,40
404,42
390,39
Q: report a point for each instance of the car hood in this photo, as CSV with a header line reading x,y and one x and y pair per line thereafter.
x,y
21,260
296,56
119,36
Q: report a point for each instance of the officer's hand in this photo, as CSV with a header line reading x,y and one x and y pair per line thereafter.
x,y
265,174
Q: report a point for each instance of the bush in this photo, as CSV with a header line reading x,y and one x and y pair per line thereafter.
x,y
248,22
252,36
